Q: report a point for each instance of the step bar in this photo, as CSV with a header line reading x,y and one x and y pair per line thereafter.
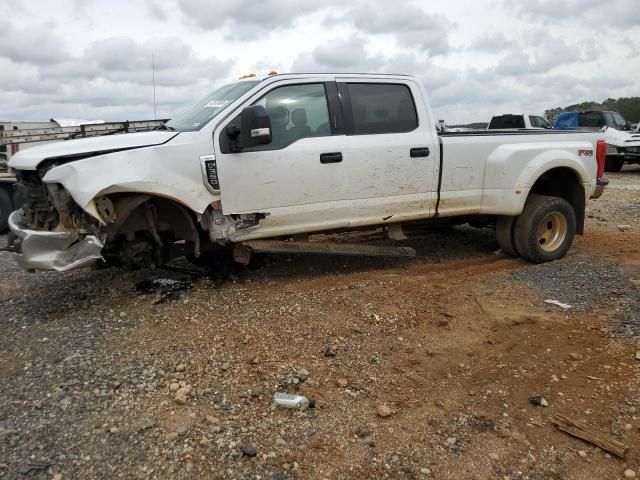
x,y
348,249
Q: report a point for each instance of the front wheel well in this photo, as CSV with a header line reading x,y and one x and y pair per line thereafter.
x,y
564,183
149,224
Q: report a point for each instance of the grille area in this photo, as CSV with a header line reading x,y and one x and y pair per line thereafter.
x,y
33,198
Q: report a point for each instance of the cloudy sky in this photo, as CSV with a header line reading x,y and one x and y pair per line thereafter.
x,y
91,59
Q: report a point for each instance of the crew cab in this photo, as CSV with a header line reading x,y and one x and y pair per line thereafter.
x,y
623,144
262,163
518,121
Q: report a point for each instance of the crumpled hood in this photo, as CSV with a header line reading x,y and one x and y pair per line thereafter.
x,y
30,157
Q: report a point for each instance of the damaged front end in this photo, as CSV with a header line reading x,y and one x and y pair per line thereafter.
x,y
52,232
52,250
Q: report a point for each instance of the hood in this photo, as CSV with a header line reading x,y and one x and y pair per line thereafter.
x,y
620,138
30,157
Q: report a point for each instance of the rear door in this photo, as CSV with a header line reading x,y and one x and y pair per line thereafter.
x,y
389,151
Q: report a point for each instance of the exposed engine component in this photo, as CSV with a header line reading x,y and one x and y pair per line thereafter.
x,y
247,220
39,212
218,225
221,227
105,208
49,206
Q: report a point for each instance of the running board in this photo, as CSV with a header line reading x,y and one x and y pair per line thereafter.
x,y
277,246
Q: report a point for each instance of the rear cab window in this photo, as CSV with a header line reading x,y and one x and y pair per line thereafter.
x,y
507,122
591,119
378,108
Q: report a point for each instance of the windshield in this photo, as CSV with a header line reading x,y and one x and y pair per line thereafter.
x,y
198,115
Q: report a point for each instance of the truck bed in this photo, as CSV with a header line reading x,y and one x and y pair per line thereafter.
x,y
480,170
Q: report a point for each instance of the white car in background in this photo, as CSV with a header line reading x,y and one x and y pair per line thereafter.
x,y
510,121
623,142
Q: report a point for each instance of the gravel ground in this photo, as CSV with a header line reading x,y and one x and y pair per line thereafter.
x,y
419,368
578,280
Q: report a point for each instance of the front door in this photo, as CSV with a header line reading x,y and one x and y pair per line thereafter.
x,y
298,180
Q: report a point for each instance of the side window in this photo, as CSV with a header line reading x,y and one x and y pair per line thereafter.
x,y
381,108
296,112
610,121
539,122
620,121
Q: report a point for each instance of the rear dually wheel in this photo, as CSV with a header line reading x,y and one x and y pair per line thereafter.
x,y
545,229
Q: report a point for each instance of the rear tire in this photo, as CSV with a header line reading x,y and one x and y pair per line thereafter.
x,y
613,164
6,207
545,230
504,235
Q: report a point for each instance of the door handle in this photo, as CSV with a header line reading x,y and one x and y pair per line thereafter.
x,y
334,157
419,152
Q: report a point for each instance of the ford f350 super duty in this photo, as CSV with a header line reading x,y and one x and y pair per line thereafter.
x,y
261,163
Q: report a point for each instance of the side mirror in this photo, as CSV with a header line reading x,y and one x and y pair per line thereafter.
x,y
255,127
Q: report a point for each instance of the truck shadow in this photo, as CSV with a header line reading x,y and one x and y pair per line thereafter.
x,y
432,246
45,296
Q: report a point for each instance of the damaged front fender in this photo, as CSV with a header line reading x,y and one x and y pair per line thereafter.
x,y
46,250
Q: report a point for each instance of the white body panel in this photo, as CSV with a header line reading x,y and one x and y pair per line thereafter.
x,y
170,170
618,138
492,174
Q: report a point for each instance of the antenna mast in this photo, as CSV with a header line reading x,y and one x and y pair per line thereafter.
x,y
153,77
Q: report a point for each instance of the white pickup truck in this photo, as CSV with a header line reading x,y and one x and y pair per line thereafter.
x,y
517,121
261,163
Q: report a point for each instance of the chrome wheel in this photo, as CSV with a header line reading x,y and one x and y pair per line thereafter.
x,y
552,231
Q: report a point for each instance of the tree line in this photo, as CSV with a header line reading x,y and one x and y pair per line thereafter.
x,y
628,107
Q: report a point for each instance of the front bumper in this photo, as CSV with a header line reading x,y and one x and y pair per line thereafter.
x,y
61,251
600,184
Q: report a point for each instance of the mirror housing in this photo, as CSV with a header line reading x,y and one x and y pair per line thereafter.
x,y
255,127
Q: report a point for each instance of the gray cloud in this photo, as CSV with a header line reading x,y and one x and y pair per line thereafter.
x,y
412,26
339,55
111,75
530,55
34,44
158,11
493,42
595,12
247,18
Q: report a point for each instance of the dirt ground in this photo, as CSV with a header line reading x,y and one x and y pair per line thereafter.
x,y
450,345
